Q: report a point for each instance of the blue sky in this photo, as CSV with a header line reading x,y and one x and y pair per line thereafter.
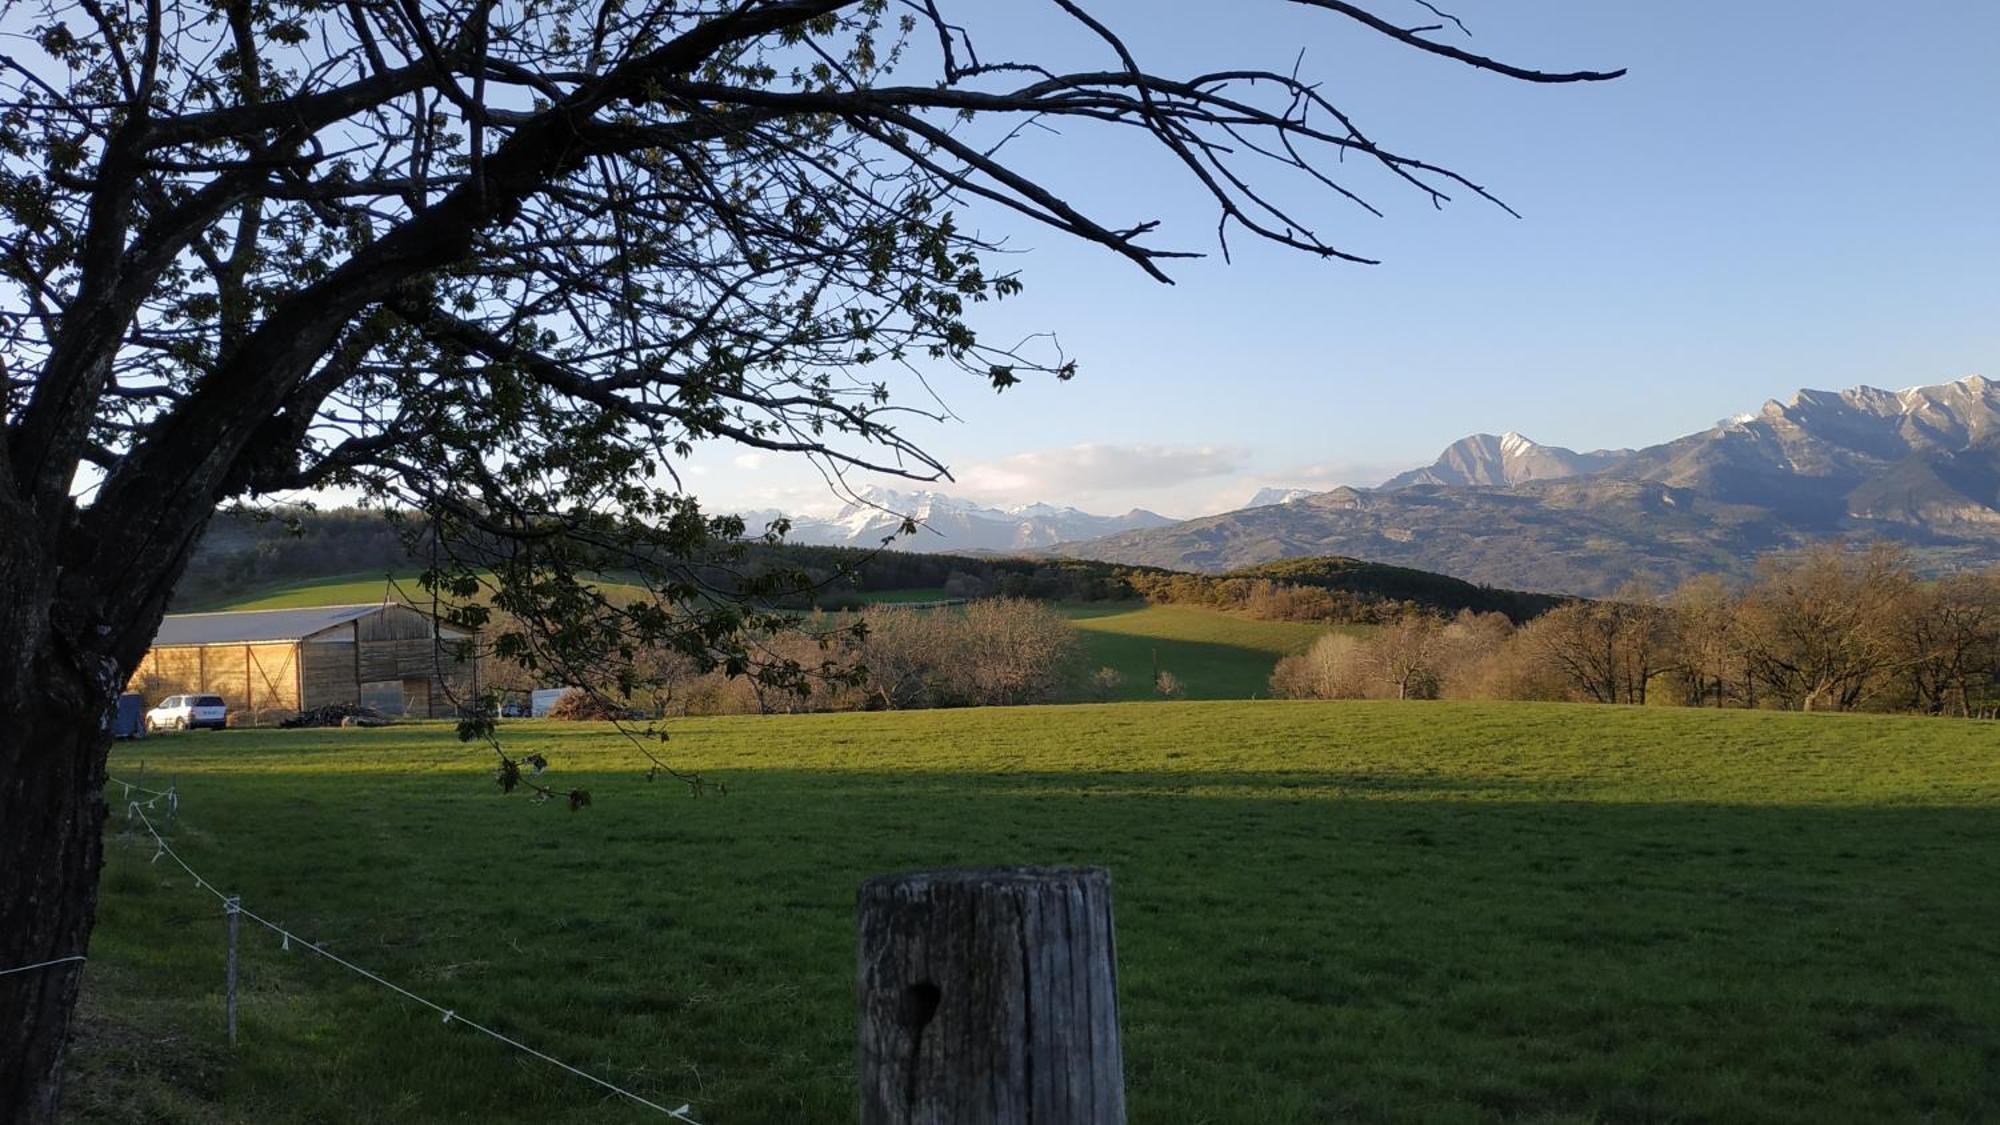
x,y
1778,195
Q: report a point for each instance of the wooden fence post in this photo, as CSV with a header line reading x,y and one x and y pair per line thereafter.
x,y
990,997
230,913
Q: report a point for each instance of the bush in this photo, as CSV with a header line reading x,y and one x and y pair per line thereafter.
x,y
1105,682
1337,666
582,706
1168,685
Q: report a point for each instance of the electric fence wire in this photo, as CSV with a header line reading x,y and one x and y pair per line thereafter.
x,y
234,905
158,795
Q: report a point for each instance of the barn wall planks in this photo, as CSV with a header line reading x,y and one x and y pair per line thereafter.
x,y
274,676
394,645
261,677
327,674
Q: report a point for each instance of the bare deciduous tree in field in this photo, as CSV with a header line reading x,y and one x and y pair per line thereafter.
x,y
995,652
1708,639
1820,627
504,265
1608,651
1406,654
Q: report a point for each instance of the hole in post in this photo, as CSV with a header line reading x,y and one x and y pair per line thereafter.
x,y
920,1003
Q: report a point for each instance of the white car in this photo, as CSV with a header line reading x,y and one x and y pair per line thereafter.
x,y
188,712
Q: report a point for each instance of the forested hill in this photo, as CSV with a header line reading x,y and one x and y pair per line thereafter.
x,y
1402,583
245,553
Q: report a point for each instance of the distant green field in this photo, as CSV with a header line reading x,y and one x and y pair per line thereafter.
x,y
892,597
346,589
1215,655
1326,912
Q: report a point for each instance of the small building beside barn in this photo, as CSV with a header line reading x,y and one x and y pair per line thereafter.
x,y
390,657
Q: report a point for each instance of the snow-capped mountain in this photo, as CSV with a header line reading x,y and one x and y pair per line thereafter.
x,y
1920,466
1268,496
949,523
1925,457
1503,461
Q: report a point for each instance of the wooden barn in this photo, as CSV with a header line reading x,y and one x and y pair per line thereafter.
x,y
388,656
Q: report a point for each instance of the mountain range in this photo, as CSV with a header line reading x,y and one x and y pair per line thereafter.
x,y
1268,496
1921,466
949,523
1504,461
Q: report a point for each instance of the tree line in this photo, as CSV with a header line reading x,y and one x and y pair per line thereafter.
x,y
1833,628
992,652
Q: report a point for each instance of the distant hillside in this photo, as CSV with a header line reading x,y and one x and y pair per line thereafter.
x,y
248,551
310,558
1401,583
1920,466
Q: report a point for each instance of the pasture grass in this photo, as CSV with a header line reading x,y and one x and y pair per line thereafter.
x,y
1326,911
896,597
1215,655
342,589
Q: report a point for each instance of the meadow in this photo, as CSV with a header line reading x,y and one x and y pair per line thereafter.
x,y
1214,655
1326,911
345,589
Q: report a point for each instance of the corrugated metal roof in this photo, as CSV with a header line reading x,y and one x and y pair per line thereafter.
x,y
251,625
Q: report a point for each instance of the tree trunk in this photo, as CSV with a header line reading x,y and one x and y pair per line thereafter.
x,y
54,735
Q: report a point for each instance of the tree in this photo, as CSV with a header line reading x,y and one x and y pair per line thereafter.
x,y
1820,626
1335,666
1946,635
1608,651
1707,638
1470,652
500,267
1013,651
1406,652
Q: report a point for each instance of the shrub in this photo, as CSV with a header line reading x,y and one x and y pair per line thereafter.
x,y
582,706
1337,666
1105,682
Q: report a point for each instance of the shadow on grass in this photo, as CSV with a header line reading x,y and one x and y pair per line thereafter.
x,y
1294,946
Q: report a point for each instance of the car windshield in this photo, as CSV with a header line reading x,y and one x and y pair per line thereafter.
x,y
206,701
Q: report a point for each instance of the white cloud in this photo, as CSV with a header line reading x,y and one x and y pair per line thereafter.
x,y
748,462
1360,474
1079,472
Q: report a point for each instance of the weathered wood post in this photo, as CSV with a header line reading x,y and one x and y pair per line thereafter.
x,y
990,997
230,914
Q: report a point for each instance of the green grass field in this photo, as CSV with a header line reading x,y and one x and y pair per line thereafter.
x,y
894,597
1344,911
345,589
1215,655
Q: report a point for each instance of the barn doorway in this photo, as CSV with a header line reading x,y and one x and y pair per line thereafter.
x,y
385,696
